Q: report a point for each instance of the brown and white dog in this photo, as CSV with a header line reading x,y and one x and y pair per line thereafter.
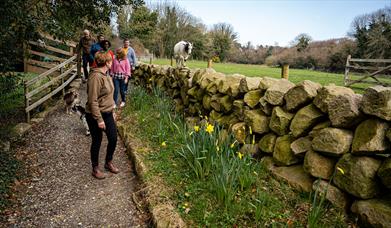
x,y
70,99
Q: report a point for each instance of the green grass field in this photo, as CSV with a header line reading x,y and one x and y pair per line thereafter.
x,y
295,75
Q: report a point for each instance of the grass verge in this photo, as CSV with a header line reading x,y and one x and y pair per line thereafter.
x,y
207,181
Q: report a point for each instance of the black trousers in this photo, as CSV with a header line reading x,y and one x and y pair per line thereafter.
x,y
96,135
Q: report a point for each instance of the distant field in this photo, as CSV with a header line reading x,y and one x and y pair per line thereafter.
x,y
295,75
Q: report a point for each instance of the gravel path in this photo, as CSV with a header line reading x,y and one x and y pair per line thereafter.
x,y
61,191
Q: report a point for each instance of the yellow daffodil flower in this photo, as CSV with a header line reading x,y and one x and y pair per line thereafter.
x,y
196,128
240,155
164,144
341,170
253,140
233,144
209,128
251,130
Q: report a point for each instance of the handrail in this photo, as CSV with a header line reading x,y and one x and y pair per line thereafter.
x,y
50,48
371,60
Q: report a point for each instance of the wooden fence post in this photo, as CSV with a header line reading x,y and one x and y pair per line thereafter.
x,y
210,63
26,101
285,71
62,81
25,59
346,76
172,61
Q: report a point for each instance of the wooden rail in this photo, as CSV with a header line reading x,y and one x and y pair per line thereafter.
x,y
362,65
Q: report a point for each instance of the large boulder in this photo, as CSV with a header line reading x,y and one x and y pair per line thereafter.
x,y
329,93
305,119
258,121
252,97
333,141
334,195
357,176
301,145
280,120
377,101
300,95
283,154
239,132
318,165
370,137
373,212
275,93
267,142
384,173
345,110
295,176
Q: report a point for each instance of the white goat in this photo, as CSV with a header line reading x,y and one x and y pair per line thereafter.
x,y
182,51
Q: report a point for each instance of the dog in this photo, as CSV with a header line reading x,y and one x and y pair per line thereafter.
x,y
70,99
81,111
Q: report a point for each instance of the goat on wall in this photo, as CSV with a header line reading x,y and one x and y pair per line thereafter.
x,y
182,51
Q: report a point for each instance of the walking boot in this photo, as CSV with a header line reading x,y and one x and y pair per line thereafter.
x,y
110,167
97,173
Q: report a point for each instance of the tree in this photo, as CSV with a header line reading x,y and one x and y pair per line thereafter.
x,y
302,41
223,37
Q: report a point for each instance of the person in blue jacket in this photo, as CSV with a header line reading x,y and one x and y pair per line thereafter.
x,y
131,55
95,48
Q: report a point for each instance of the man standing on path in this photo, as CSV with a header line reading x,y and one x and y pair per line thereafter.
x,y
84,46
131,55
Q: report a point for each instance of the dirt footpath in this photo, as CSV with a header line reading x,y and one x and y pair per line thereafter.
x,y
60,190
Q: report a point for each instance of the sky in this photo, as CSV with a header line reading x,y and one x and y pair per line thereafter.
x,y
271,22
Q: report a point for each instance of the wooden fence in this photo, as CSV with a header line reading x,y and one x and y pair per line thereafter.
x,y
63,66
371,68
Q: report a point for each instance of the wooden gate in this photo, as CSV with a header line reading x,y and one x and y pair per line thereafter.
x,y
371,68
57,68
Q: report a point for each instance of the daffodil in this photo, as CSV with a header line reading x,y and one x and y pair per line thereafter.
x,y
187,194
217,148
164,144
253,140
341,170
232,144
251,130
191,133
209,128
240,155
196,128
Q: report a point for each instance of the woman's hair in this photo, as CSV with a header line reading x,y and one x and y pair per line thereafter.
x,y
102,57
102,43
120,53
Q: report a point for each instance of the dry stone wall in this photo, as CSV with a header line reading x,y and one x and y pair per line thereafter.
x,y
307,134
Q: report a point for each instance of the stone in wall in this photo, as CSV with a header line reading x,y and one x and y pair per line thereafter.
x,y
389,134
384,173
267,142
275,93
328,93
239,131
370,137
249,83
373,212
251,98
251,149
318,127
238,109
280,120
345,111
318,165
227,120
334,195
301,145
265,107
230,85
377,102
305,119
266,82
333,141
295,177
300,95
283,154
258,121
358,176
206,99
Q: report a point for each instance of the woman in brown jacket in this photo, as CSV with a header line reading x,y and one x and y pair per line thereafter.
x,y
99,113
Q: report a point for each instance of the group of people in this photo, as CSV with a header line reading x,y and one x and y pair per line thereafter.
x,y
109,75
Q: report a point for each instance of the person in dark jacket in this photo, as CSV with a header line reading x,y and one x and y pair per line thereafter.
x,y
95,48
84,47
